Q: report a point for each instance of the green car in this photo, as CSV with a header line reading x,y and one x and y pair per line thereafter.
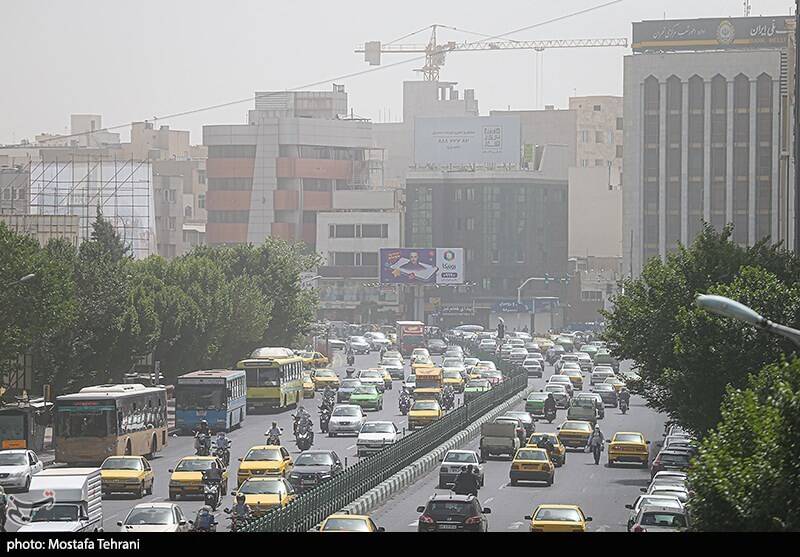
x,y
534,405
476,387
367,396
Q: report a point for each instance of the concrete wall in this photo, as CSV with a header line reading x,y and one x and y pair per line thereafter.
x,y
595,213
547,127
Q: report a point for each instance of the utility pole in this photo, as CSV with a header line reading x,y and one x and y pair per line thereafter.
x,y
796,126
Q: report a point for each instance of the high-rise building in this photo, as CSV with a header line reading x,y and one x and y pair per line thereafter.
x,y
708,133
274,174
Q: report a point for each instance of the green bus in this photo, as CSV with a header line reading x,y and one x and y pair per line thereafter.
x,y
274,379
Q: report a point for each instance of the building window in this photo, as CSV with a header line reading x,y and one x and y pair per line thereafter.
x,y
345,231
592,296
470,223
228,216
470,194
619,151
584,136
187,211
610,137
172,223
597,108
369,259
585,163
201,177
599,137
343,258
227,184
469,254
201,201
231,151
373,230
620,124
458,194
599,162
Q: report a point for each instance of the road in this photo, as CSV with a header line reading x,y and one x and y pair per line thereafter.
x,y
601,492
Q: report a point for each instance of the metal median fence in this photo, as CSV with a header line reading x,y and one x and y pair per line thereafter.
x,y
312,507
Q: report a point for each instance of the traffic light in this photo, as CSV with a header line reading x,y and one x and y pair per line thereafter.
x,y
501,330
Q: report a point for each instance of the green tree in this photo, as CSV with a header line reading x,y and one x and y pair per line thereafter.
x,y
746,477
685,356
104,234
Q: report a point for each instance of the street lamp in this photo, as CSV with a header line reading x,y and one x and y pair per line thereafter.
x,y
309,279
24,279
730,308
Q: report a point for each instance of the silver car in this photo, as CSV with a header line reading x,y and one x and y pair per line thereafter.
x,y
660,518
17,466
346,419
454,462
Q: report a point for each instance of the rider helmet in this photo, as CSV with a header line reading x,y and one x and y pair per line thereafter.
x,y
240,498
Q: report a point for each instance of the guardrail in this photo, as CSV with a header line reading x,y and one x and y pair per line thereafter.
x,y
312,507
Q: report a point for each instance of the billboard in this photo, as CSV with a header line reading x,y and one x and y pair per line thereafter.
x,y
467,140
711,33
422,266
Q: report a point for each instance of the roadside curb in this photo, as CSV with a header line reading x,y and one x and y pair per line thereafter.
x,y
411,473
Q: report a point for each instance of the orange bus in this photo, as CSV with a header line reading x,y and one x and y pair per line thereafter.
x,y
108,420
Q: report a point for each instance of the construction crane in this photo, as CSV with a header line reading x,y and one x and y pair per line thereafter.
x,y
435,52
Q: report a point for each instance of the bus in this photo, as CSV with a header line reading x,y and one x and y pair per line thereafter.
x,y
108,420
218,396
410,335
274,378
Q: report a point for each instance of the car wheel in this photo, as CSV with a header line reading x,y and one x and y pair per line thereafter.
x,y
140,492
172,496
150,489
513,482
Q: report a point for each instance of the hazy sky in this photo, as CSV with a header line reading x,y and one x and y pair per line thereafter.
x,y
136,59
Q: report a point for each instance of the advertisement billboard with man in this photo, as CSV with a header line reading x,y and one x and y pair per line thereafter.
x,y
422,266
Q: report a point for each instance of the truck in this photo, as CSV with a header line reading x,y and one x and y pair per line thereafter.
x,y
410,335
64,500
428,383
499,438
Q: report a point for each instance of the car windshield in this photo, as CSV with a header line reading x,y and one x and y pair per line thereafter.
x,y
193,465
347,411
264,454
392,362
56,513
572,372
628,438
487,365
350,383
491,373
528,454
604,387
371,375
150,515
660,500
122,464
365,390
524,416
661,518
538,438
13,459
449,508
675,459
452,362
555,389
478,384
411,379
358,339
262,487
461,458
577,426
558,515
425,405
346,525
375,427
324,373
451,374
537,396
314,459
559,379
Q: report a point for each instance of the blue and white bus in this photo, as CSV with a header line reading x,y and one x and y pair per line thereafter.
x,y
218,396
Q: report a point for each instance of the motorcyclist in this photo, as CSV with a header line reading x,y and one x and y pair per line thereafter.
x,y
202,438
222,442
204,520
241,510
625,396
547,444
466,482
382,351
550,404
351,357
595,443
448,396
274,431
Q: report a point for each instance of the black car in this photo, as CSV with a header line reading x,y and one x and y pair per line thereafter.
x,y
607,392
346,389
527,421
313,468
436,346
450,512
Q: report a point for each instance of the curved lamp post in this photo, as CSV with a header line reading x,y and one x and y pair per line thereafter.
x,y
726,307
21,280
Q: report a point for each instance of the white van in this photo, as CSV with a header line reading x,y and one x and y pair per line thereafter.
x,y
77,504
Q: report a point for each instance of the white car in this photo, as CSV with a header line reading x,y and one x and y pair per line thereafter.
x,y
376,340
659,518
487,344
374,436
533,367
561,380
410,383
360,345
16,468
419,352
155,517
454,462
372,377
346,419
660,500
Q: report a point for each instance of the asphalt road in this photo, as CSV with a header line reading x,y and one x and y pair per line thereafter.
x,y
116,507
600,491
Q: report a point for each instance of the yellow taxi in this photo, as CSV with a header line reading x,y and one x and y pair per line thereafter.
x,y
628,446
349,523
387,378
453,378
558,518
532,464
575,376
264,460
617,382
127,474
314,359
559,456
325,378
263,494
187,476
308,385
575,433
423,412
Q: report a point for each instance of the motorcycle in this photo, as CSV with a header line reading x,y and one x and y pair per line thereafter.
x,y
351,359
405,403
304,437
550,415
237,521
273,439
448,401
349,371
324,418
623,406
204,521
224,454
202,444
212,495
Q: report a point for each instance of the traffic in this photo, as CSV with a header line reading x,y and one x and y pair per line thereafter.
x,y
244,441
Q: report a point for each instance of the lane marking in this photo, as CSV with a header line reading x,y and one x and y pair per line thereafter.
x,y
351,447
413,523
489,500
